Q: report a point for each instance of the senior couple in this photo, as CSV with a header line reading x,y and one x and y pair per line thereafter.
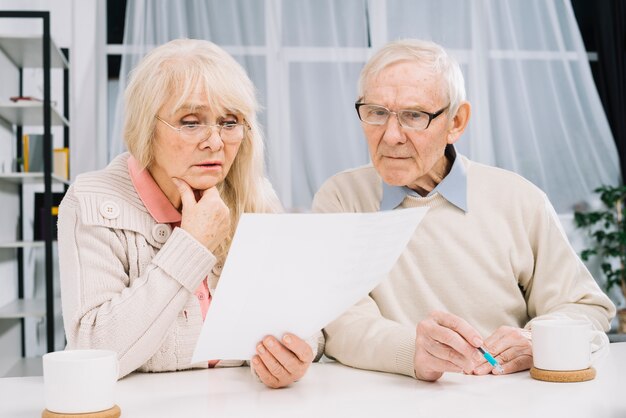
x,y
142,242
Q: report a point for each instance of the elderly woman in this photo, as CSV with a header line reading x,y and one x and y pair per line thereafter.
x,y
143,241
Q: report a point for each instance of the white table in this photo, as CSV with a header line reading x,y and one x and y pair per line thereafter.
x,y
333,390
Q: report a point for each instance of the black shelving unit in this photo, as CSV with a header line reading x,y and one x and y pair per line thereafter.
x,y
35,52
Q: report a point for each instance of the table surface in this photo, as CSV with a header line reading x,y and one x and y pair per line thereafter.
x,y
333,390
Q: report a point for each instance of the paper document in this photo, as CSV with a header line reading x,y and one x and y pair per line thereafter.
x,y
296,273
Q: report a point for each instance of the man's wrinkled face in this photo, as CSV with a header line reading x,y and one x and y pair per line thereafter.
x,y
402,156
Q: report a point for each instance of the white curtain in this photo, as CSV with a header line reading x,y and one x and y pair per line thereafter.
x,y
535,107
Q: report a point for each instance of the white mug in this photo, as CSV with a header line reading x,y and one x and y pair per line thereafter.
x,y
564,344
80,381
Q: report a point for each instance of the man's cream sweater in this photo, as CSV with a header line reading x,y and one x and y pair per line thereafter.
x,y
503,262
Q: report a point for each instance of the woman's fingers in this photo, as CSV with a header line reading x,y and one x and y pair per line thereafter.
x,y
279,364
264,374
205,216
186,194
299,347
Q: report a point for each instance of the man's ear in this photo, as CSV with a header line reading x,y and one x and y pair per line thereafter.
x,y
459,122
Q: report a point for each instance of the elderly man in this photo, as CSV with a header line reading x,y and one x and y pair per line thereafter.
x,y
489,256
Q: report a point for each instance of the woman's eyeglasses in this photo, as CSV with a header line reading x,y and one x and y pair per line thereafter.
x,y
229,131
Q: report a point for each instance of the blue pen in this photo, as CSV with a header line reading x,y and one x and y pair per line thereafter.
x,y
491,359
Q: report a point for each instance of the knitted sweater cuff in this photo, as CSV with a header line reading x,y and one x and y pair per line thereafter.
x,y
185,259
405,354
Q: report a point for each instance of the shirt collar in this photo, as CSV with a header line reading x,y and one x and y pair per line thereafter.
x,y
453,187
151,195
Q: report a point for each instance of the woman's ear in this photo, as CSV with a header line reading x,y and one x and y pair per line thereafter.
x,y
459,122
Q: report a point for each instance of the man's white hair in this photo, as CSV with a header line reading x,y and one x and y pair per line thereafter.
x,y
428,55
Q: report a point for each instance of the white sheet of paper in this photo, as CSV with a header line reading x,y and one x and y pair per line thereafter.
x,y
296,273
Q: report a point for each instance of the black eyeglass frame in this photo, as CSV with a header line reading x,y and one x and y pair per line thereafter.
x,y
431,116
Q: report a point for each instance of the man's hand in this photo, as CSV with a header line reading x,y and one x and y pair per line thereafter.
x,y
278,364
207,219
445,343
512,347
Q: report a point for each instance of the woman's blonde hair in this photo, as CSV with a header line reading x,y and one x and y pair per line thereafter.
x,y
428,55
180,67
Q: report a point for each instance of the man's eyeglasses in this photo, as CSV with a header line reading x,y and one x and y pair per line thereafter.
x,y
417,120
229,131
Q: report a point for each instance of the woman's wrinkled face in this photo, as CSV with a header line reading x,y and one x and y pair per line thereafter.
x,y
195,155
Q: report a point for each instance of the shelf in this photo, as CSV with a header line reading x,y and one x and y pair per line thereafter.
x,y
29,113
27,51
22,244
26,366
27,308
30,178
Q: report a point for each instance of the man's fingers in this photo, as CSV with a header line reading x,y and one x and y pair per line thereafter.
x,y
511,361
508,343
453,346
519,363
506,337
444,358
483,369
430,367
511,347
453,349
441,365
445,342
459,325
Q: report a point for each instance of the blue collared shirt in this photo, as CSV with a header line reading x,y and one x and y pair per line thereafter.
x,y
453,187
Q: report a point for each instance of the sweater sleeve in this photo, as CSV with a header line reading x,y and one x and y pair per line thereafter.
x,y
362,337
561,285
101,308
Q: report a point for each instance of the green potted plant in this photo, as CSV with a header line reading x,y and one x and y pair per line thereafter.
x,y
606,228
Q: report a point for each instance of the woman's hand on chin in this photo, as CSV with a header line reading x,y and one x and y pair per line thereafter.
x,y
207,219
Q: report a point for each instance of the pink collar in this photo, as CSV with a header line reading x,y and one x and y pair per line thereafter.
x,y
151,194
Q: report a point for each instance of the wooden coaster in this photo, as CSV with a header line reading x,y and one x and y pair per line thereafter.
x,y
114,412
563,376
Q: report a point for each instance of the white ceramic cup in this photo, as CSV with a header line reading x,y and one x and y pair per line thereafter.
x,y
80,381
562,344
